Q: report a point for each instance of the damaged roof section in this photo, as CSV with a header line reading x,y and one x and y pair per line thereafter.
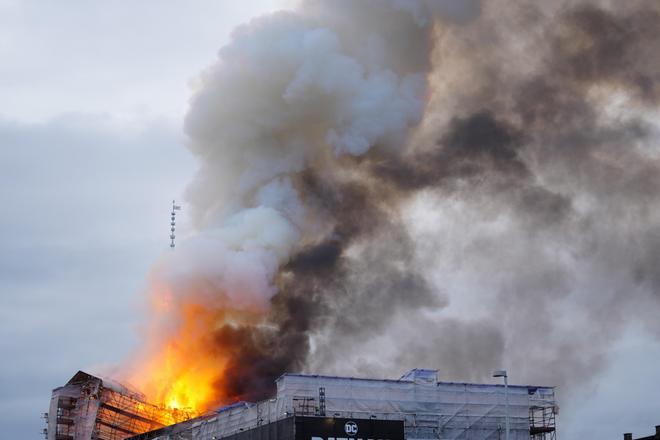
x,y
90,407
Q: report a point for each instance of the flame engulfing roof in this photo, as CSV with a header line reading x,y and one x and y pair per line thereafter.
x,y
90,407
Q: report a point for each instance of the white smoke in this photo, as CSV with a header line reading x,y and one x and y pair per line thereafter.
x,y
286,92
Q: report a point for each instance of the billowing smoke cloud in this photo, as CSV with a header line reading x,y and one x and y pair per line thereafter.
x,y
386,185
530,189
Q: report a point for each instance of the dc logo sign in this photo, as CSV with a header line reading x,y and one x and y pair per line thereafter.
x,y
351,428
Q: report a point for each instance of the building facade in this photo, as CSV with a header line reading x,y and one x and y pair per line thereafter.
x,y
424,407
91,408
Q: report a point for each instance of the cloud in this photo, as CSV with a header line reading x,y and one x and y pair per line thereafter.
x,y
85,212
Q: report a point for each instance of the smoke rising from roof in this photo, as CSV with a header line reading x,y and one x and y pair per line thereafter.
x,y
386,185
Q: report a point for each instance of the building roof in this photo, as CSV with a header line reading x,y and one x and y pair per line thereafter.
x,y
402,380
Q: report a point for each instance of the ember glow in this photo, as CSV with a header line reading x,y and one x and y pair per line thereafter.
x,y
181,376
185,368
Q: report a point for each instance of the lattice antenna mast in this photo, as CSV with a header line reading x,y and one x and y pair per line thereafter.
x,y
175,208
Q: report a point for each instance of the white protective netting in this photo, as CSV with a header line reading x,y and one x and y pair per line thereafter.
x,y
430,409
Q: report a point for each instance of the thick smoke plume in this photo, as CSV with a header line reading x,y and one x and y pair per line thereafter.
x,y
386,185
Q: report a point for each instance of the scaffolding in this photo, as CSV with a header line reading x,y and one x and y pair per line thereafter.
x,y
64,415
542,412
304,406
429,409
321,411
90,408
542,422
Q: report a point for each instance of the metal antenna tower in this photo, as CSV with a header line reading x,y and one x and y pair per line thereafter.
x,y
175,208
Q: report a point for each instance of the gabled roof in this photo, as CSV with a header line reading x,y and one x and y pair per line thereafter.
x,y
82,377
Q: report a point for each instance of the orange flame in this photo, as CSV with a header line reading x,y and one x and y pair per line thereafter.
x,y
184,366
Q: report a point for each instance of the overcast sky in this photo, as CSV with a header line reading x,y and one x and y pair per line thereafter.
x,y
92,96
91,154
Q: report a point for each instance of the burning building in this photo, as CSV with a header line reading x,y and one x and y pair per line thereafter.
x,y
89,407
381,170
416,406
378,170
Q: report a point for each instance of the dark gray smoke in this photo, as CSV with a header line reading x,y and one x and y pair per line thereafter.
x,y
541,144
422,184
